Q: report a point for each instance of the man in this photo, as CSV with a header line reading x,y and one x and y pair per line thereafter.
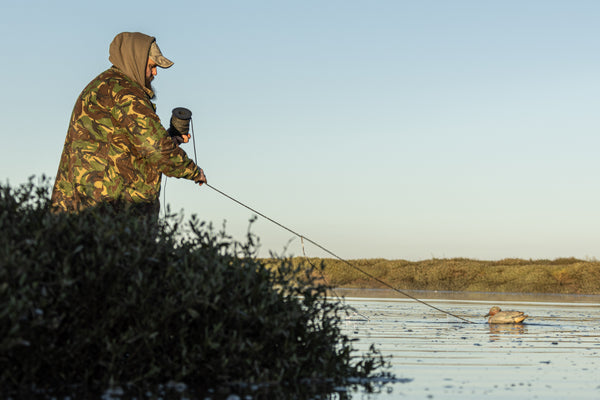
x,y
116,148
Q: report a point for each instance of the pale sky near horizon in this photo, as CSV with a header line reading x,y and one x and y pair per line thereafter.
x,y
379,129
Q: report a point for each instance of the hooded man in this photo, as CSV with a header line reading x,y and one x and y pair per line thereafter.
x,y
116,148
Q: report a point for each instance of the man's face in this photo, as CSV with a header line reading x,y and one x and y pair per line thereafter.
x,y
150,71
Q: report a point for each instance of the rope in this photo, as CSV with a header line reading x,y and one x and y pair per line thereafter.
x,y
193,141
302,237
325,279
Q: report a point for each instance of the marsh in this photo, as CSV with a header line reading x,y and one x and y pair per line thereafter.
x,y
555,353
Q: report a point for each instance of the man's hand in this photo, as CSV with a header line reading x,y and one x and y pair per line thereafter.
x,y
201,179
178,139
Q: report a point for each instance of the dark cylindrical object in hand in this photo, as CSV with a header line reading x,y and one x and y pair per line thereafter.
x,y
180,122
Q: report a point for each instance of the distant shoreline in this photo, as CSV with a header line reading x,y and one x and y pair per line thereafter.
x,y
559,276
433,295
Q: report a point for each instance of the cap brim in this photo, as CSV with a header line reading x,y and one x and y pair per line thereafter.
x,y
158,58
162,61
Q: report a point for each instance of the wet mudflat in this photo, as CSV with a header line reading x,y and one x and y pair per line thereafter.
x,y
555,354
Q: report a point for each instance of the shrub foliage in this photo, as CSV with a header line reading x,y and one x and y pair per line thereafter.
x,y
98,299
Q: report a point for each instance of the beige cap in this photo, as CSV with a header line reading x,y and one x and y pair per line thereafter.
x,y
158,58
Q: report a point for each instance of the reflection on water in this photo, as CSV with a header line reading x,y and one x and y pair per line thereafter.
x,y
554,354
496,330
465,296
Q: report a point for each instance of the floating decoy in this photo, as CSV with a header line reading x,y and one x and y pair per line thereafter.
x,y
497,316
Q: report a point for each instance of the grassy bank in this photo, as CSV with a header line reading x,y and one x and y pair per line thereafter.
x,y
563,275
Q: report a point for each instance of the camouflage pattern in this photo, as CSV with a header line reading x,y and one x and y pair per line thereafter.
x,y
116,148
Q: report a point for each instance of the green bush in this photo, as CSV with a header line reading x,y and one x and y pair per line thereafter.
x,y
100,300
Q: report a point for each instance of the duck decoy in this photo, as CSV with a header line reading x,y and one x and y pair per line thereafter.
x,y
497,316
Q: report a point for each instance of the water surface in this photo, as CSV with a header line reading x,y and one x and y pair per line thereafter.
x,y
555,354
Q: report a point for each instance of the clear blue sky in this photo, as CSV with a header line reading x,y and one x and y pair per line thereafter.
x,y
380,129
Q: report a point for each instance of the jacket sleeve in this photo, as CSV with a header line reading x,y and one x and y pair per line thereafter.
x,y
150,140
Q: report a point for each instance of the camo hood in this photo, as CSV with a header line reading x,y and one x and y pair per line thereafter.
x,y
129,53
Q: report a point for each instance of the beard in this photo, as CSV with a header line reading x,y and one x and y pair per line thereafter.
x,y
150,86
148,81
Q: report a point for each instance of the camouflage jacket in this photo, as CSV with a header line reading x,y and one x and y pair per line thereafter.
x,y
116,148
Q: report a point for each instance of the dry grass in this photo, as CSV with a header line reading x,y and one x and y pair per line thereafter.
x,y
562,275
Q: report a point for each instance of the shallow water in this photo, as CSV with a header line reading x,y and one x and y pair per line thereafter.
x,y
555,354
